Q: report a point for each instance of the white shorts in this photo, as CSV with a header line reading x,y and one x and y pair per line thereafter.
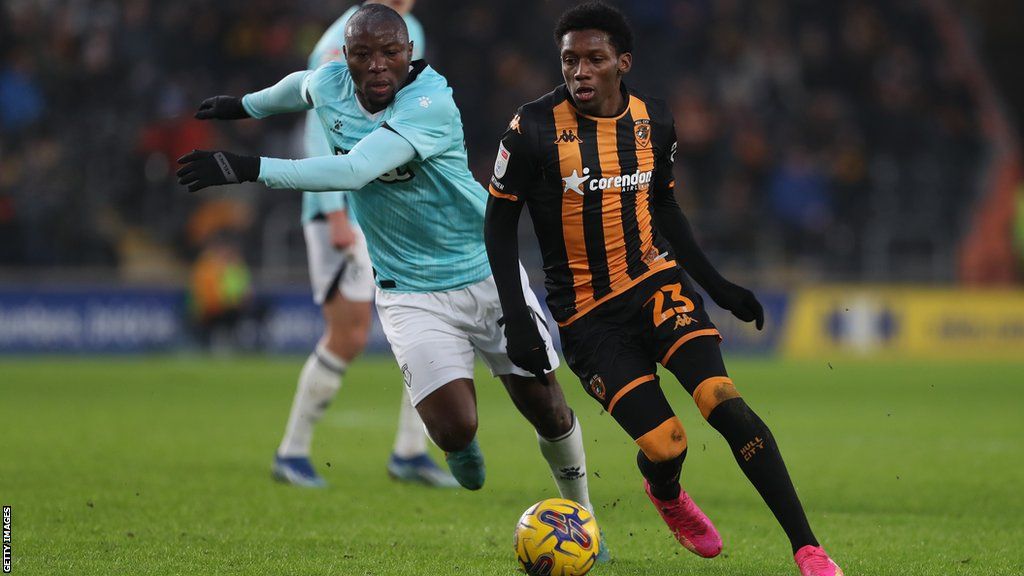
x,y
434,336
348,270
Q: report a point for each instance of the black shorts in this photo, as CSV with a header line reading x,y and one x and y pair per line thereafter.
x,y
615,348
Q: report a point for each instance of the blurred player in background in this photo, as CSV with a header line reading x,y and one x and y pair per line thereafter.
x,y
342,282
400,150
593,161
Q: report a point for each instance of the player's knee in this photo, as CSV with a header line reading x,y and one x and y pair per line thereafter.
x,y
712,393
345,342
665,442
453,433
554,420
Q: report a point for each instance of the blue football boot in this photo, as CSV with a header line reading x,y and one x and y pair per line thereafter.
x,y
297,471
467,466
420,469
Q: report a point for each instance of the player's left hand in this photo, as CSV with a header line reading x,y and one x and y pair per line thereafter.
x,y
202,168
740,301
222,108
525,346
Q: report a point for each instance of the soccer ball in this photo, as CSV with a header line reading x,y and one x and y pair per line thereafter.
x,y
556,537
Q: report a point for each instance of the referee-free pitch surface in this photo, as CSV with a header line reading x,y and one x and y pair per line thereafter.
x,y
161,465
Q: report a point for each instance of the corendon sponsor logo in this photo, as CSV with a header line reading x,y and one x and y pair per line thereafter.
x,y
628,182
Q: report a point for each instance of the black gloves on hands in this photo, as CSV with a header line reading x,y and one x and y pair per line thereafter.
x,y
526,348
202,168
222,108
740,301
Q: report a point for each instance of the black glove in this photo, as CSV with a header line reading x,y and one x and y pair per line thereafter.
x,y
526,348
740,301
222,108
204,168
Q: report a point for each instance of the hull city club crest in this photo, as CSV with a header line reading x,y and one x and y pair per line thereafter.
x,y
597,387
642,130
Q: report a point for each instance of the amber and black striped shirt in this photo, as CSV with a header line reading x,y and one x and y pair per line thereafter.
x,y
587,182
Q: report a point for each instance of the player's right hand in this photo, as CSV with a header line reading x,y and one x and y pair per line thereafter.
x,y
202,168
222,108
740,301
526,348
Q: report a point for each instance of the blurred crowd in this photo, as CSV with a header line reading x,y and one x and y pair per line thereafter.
x,y
831,139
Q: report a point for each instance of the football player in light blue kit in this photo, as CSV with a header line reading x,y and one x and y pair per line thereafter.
x,y
399,143
342,281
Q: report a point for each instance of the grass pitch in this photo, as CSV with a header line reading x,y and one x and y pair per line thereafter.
x,y
161,466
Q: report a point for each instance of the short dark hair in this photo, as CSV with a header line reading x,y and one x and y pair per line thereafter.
x,y
375,16
597,16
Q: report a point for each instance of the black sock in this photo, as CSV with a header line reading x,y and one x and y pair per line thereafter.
x,y
662,476
758,456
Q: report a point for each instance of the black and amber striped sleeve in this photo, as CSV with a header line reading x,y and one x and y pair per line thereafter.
x,y
515,167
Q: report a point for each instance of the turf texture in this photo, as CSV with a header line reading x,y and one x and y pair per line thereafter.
x,y
161,466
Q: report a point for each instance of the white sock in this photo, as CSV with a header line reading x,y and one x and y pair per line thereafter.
x,y
411,439
319,381
568,463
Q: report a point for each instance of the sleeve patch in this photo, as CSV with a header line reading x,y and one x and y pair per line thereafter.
x,y
501,161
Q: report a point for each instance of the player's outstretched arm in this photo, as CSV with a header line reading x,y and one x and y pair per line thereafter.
x,y
673,225
526,348
222,108
380,152
288,95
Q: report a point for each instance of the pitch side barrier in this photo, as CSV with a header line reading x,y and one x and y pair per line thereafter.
x,y
904,322
56,319
820,322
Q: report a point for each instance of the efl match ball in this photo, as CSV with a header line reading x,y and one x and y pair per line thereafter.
x,y
557,537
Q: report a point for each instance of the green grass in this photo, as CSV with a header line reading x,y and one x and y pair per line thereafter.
x,y
161,466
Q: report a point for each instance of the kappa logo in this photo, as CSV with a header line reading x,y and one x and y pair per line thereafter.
x,y
567,137
642,131
683,320
597,386
514,124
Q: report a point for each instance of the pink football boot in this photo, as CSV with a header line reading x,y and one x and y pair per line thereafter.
x,y
689,525
813,561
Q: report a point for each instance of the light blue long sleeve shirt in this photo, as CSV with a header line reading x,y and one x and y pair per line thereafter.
x,y
412,192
